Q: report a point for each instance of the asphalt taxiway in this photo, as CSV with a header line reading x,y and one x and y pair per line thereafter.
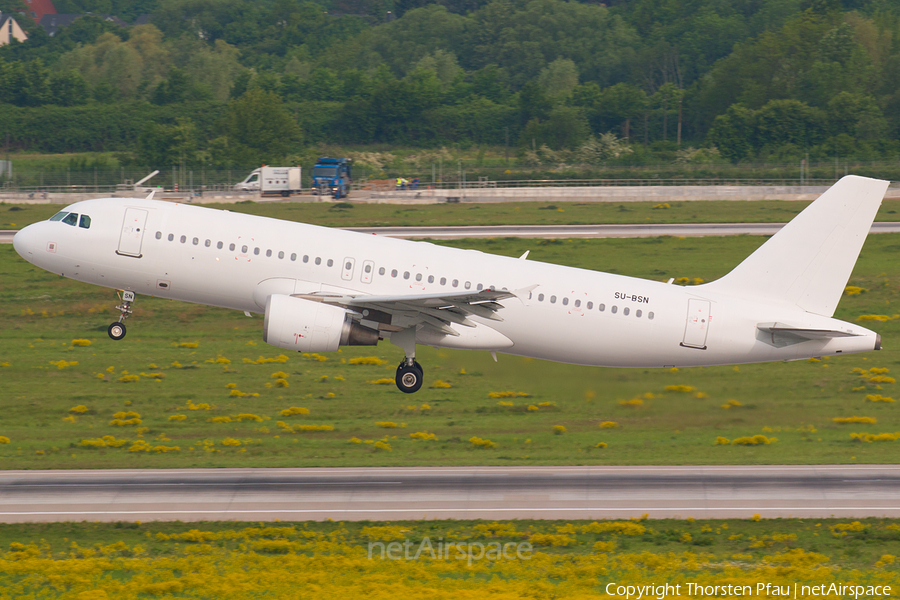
x,y
388,494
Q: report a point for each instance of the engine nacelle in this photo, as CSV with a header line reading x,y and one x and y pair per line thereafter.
x,y
307,326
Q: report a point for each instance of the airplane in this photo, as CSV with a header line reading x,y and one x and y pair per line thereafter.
x,y
320,288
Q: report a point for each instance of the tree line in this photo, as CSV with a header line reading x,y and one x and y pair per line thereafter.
x,y
227,82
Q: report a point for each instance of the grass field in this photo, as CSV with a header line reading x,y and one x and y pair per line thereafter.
x,y
14,216
328,560
199,388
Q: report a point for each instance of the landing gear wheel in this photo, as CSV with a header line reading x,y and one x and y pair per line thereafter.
x,y
409,377
116,331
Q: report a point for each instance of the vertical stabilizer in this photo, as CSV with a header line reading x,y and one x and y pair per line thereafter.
x,y
809,261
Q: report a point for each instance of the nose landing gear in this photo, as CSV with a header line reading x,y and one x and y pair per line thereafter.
x,y
117,330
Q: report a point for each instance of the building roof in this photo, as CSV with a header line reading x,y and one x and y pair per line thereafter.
x,y
38,8
53,23
10,28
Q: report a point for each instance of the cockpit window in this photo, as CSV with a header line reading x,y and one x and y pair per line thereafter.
x,y
58,216
85,222
71,219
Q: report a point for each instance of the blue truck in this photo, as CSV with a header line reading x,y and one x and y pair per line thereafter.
x,y
332,176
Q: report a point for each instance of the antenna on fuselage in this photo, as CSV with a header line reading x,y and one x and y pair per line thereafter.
x,y
150,195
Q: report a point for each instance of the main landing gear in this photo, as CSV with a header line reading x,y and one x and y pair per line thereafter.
x,y
409,376
117,330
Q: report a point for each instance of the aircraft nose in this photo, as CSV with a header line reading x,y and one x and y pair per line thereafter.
x,y
25,242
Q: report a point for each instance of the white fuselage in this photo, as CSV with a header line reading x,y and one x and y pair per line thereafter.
x,y
236,261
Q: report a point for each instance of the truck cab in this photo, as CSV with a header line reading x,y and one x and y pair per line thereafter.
x,y
332,176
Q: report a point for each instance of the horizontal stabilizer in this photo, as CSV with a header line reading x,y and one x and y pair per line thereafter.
x,y
781,335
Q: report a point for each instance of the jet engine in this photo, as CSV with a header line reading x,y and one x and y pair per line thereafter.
x,y
307,326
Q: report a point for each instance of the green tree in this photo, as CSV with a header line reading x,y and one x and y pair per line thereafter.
x,y
559,78
68,88
733,132
260,129
782,122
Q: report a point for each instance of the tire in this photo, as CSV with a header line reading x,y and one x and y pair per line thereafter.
x,y
116,331
409,379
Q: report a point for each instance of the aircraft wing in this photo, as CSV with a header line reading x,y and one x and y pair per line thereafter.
x,y
440,311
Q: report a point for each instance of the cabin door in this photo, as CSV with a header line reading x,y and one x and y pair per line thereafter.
x,y
132,232
697,324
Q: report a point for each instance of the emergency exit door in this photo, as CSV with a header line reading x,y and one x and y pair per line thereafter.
x,y
132,232
697,326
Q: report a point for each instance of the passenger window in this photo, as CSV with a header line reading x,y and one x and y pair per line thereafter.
x,y
367,268
405,274
219,245
614,309
244,249
590,305
540,297
294,256
418,277
456,283
207,243
58,216
650,315
348,265
638,313
306,258
183,239
330,262
256,251
381,270
281,254
552,299
431,279
565,301
625,311
171,237
602,307
577,303
393,272
85,222
159,235
71,219
468,285
479,287
196,241
269,253
318,260
231,247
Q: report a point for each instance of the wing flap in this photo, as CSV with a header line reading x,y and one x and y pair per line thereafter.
x,y
439,311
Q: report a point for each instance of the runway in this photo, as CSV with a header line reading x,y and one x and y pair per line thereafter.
x,y
388,494
572,231
592,231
